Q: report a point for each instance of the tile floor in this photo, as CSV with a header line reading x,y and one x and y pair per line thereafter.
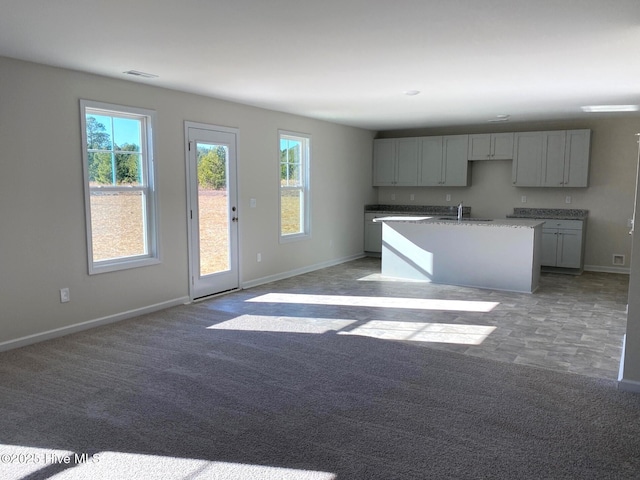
x,y
571,323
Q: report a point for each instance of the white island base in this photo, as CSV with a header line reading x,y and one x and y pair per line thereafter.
x,y
498,254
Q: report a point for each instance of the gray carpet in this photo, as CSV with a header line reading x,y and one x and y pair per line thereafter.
x,y
163,396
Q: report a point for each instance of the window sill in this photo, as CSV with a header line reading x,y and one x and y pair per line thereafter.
x,y
125,264
297,237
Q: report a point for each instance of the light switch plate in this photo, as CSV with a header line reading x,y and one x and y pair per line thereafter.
x,y
64,295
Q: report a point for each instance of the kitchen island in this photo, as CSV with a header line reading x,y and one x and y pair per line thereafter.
x,y
496,254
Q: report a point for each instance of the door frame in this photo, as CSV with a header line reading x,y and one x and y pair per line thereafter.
x,y
190,253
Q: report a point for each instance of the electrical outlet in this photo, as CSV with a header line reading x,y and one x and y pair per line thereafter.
x,y
448,197
523,199
412,197
64,295
252,203
567,199
259,257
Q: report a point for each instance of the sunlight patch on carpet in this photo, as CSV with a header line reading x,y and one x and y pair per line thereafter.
x,y
377,302
19,462
378,277
423,332
267,323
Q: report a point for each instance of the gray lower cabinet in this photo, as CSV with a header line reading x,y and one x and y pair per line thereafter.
x,y
372,233
563,243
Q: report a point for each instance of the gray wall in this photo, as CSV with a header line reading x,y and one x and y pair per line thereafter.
x,y
609,197
43,239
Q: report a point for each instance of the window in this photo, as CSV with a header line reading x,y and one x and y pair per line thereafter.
x,y
294,185
120,199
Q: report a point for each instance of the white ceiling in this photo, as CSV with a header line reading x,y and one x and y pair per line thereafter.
x,y
350,61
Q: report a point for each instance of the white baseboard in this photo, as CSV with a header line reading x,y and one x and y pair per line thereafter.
x,y
597,268
300,271
78,327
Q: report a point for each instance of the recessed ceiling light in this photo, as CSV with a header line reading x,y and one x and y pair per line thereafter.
x,y
610,108
503,117
412,93
137,73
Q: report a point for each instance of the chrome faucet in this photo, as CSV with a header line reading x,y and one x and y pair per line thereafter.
x,y
460,211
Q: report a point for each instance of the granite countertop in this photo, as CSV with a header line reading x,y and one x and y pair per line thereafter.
x,y
441,210
551,213
473,222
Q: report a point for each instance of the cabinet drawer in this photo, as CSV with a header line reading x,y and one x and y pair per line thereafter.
x,y
564,224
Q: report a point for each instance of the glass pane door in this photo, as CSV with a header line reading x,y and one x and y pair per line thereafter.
x,y
213,207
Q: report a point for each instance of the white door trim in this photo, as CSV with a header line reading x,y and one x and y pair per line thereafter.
x,y
235,260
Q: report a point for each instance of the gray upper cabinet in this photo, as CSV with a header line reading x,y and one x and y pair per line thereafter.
x,y
455,161
551,159
431,162
491,146
443,161
558,158
395,162
553,150
527,161
576,158
384,165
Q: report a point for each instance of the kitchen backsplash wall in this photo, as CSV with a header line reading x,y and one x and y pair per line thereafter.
x,y
609,197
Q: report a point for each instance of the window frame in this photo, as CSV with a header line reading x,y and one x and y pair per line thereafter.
x,y
305,178
147,187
